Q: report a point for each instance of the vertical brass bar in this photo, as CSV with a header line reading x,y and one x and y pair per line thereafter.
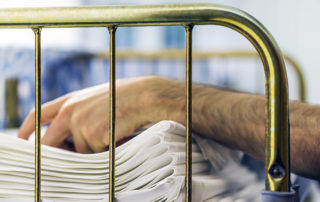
x,y
277,155
37,32
189,112
112,112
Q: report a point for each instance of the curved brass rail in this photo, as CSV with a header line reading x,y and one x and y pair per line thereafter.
x,y
277,131
179,54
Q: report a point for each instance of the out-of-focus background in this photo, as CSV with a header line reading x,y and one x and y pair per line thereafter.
x,y
71,58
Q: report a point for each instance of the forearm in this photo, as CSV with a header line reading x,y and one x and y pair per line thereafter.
x,y
234,119
238,121
305,139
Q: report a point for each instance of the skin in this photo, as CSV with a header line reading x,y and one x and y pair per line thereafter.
x,y
234,119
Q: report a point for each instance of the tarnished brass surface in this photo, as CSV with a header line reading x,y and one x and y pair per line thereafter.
x,y
179,54
112,112
37,32
189,112
277,131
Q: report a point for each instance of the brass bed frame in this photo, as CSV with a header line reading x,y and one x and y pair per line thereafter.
x,y
277,157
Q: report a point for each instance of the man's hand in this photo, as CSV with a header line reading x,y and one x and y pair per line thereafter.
x,y
84,114
234,119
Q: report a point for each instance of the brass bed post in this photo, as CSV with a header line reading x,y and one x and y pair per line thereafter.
x,y
37,32
188,29
112,112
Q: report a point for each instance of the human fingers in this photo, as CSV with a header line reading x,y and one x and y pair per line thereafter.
x,y
80,143
90,122
58,130
125,127
64,126
48,112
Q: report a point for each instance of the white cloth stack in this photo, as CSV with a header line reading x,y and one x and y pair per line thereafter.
x,y
149,167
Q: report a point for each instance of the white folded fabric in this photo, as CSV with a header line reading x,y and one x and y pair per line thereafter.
x,y
149,167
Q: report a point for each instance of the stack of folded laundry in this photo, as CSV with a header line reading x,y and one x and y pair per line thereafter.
x,y
149,167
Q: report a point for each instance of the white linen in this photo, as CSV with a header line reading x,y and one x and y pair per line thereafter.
x,y
149,167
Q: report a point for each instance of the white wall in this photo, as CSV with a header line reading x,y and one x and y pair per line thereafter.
x,y
295,26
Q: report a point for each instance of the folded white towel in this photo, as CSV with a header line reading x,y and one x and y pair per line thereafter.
x,y
149,167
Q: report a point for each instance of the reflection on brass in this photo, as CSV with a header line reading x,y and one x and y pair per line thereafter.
x,y
179,54
37,32
277,131
11,103
112,112
189,112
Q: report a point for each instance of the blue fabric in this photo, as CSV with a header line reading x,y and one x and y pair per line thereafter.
x,y
303,184
174,37
125,36
270,196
